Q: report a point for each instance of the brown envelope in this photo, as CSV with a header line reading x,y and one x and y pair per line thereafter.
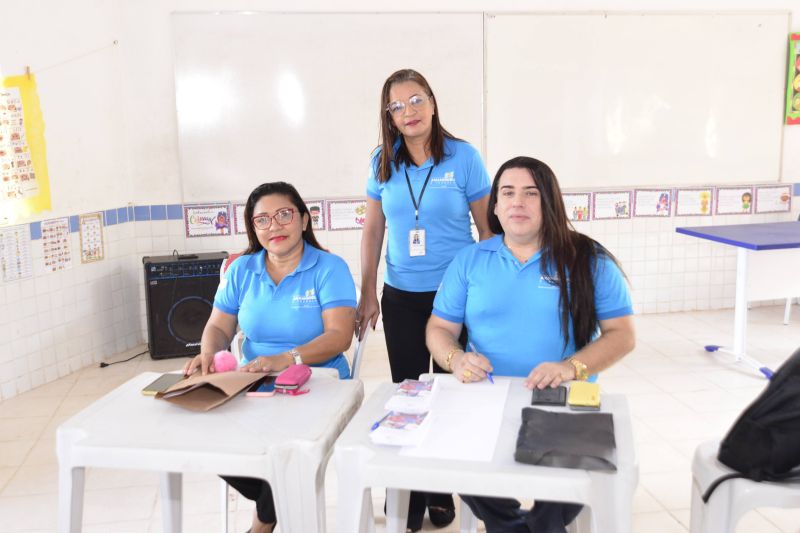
x,y
202,393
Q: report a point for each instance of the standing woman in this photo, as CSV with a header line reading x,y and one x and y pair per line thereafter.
x,y
423,184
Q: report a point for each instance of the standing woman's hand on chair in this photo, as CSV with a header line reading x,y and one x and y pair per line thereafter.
x,y
367,312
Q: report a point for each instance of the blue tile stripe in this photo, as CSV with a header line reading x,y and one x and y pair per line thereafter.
x,y
36,231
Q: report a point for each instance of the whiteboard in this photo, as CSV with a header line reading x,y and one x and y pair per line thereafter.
x,y
638,99
295,97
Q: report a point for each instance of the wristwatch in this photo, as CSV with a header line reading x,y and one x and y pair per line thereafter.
x,y
581,370
296,356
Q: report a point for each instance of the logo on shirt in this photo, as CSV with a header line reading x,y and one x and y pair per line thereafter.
x,y
447,181
550,282
305,300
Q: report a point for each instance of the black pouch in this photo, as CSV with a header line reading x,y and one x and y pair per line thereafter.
x,y
567,440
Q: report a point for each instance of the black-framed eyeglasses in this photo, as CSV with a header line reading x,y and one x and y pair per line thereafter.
x,y
282,217
416,102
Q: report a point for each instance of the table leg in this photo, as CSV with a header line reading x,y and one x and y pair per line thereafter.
x,y
396,510
740,305
70,499
171,501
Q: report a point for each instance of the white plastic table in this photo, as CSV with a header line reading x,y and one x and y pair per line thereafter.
x,y
284,439
361,465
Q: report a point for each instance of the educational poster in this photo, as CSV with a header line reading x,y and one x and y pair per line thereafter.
x,y
734,200
577,206
24,185
694,202
774,199
207,220
55,244
609,205
346,214
793,83
239,227
15,253
91,232
652,202
317,210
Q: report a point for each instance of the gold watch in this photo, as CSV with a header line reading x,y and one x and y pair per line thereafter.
x,y
581,370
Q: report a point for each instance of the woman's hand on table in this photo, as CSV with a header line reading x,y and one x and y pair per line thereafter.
x,y
273,363
550,375
470,367
203,361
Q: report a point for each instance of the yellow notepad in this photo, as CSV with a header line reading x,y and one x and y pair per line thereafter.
x,y
584,396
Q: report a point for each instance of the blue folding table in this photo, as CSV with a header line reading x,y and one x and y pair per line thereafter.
x,y
763,275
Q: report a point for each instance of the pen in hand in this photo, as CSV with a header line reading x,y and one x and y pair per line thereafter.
x,y
488,374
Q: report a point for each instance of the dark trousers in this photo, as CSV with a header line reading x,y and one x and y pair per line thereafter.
x,y
504,515
258,491
405,315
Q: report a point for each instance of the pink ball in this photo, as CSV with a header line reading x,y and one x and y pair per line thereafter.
x,y
224,361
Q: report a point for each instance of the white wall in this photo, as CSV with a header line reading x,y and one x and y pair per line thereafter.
x,y
112,139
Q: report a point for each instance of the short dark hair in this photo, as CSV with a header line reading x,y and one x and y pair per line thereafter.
x,y
267,189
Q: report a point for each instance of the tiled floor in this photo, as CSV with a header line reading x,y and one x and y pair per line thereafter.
x,y
679,396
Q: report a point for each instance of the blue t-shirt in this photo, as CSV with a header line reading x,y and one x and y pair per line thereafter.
x,y
277,318
460,178
511,311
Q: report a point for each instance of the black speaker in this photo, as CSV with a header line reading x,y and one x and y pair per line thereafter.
x,y
179,290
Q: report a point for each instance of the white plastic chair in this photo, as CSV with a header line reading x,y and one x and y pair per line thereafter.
x,y
732,498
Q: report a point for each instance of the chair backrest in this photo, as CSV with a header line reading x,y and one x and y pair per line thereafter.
x,y
358,354
238,339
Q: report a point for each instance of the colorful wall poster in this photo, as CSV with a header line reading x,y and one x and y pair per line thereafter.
x,y
773,199
346,214
207,220
91,232
652,202
608,205
15,253
577,206
734,200
24,183
793,81
694,202
239,227
55,244
317,210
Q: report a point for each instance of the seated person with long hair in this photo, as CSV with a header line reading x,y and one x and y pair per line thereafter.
x,y
294,301
532,299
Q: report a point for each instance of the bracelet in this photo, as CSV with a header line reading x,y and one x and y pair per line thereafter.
x,y
449,359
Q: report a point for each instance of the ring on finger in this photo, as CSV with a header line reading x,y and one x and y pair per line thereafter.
x,y
467,374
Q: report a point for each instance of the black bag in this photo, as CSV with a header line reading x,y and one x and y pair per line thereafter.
x,y
567,440
764,442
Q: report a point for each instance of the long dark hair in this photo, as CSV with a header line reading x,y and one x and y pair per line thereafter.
x,y
266,189
390,134
570,254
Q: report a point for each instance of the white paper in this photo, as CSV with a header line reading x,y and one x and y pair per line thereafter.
x,y
15,253
465,423
55,244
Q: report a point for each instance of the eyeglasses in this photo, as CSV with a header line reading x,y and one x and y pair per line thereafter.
x,y
398,106
282,217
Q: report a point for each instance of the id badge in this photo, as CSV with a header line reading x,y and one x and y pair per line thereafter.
x,y
416,242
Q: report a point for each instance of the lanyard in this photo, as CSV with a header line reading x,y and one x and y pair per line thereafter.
x,y
417,203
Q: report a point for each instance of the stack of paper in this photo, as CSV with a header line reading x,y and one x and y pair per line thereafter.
x,y
412,396
401,429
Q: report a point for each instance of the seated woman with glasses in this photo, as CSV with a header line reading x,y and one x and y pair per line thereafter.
x,y
294,301
540,301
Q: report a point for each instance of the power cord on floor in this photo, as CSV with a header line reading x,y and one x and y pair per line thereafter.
x,y
104,364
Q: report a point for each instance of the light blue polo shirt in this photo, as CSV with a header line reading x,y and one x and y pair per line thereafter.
x,y
277,318
511,311
460,178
